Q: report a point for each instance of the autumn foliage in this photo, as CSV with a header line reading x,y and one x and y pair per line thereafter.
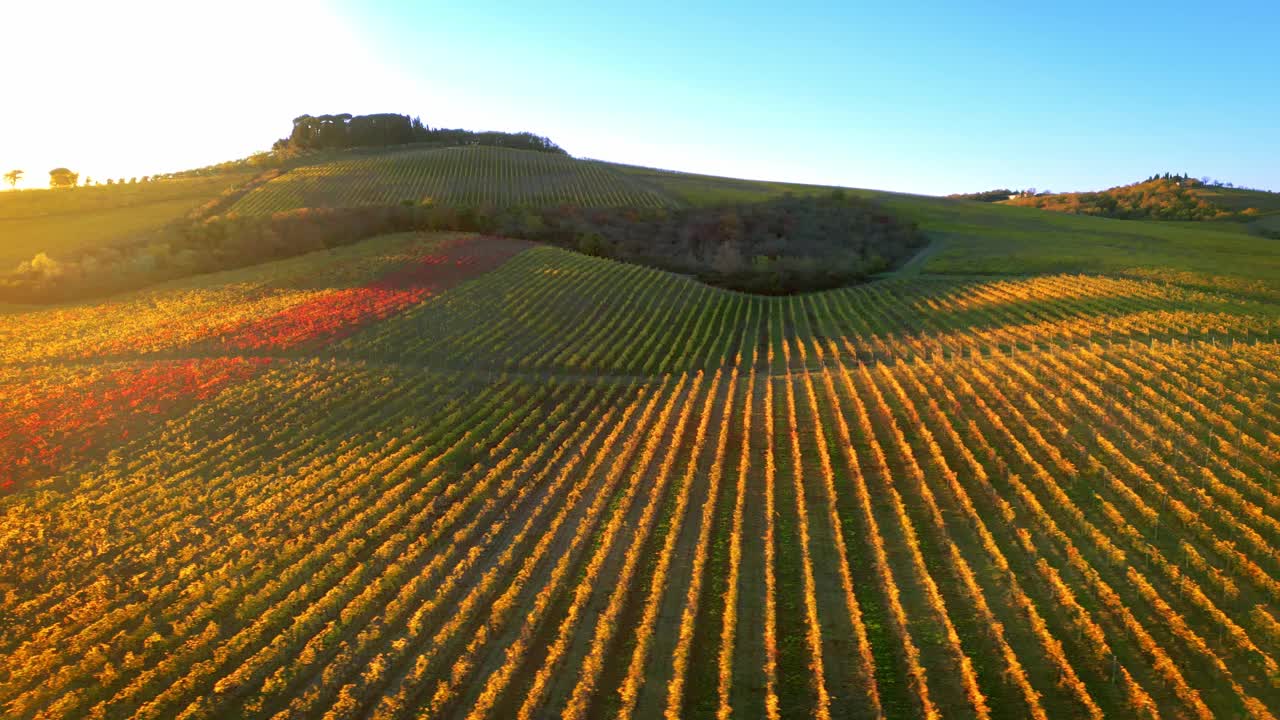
x,y
1162,198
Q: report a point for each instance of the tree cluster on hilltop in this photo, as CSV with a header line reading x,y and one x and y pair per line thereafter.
x,y
319,132
1160,197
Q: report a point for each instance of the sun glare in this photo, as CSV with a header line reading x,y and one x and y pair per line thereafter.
x,y
132,88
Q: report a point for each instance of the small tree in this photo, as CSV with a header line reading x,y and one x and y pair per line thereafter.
x,y
63,178
13,176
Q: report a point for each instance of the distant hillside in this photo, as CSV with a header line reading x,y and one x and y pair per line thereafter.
x,y
1161,198
469,175
59,222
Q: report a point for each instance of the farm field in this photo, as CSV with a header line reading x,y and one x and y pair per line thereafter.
x,y
64,221
451,175
447,475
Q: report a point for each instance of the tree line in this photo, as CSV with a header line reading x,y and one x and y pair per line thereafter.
x,y
58,178
999,195
63,178
785,245
344,130
988,196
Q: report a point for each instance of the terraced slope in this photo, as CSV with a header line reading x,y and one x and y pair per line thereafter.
x,y
450,476
454,175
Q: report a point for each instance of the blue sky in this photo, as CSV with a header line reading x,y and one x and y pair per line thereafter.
x,y
926,97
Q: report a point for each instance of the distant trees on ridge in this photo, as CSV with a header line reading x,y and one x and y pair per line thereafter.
x,y
1162,196
318,132
986,195
63,178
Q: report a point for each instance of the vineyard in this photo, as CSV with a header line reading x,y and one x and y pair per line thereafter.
x,y
463,477
463,176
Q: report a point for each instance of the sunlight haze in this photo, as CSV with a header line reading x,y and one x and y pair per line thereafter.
x,y
142,86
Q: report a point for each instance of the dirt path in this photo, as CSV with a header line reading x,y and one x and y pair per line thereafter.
x,y
914,266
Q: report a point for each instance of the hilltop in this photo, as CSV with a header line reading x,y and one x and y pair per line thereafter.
x,y
1158,198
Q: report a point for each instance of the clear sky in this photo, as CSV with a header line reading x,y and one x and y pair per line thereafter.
x,y
929,97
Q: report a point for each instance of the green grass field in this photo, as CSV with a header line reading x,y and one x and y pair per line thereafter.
x,y
984,238
64,221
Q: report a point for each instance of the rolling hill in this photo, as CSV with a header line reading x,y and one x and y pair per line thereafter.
x,y
1031,474
1161,198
